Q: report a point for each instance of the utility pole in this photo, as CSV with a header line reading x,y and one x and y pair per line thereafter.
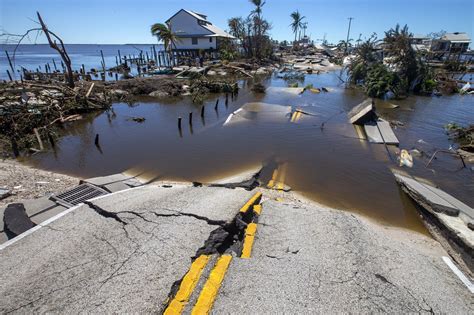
x,y
348,31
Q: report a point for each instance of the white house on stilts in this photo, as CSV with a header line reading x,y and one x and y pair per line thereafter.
x,y
195,32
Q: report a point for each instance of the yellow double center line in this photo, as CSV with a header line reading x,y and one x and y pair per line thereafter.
x,y
278,177
213,283
295,116
187,286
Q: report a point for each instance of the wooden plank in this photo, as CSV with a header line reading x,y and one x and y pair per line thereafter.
x,y
373,133
360,111
387,133
90,90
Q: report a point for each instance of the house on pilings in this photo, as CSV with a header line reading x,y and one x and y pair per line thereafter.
x,y
195,32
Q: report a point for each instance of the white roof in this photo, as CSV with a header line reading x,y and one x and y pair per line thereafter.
x,y
456,37
217,32
198,16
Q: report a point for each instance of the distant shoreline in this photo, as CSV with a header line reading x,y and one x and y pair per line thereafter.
x,y
43,44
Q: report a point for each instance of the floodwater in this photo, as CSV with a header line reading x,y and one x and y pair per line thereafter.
x,y
330,165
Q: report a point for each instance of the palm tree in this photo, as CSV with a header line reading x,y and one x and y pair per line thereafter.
x,y
297,22
164,33
256,16
258,8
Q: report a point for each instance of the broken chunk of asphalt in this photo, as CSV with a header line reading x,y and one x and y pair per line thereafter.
x,y
15,220
248,184
228,238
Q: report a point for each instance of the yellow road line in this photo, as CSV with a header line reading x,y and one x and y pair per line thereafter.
x,y
257,209
293,116
298,116
211,287
271,183
252,201
248,240
282,175
187,286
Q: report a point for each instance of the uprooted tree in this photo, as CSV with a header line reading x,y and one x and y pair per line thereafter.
x,y
54,41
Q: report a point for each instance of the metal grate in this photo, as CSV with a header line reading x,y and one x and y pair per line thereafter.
x,y
79,194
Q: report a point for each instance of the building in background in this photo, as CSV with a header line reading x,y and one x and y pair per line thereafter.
x,y
195,32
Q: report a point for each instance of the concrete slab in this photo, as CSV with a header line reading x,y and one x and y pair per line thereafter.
x,y
309,259
118,186
123,256
104,180
34,206
289,90
4,193
43,216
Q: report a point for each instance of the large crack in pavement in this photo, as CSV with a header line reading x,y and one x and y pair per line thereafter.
x,y
141,215
227,238
105,213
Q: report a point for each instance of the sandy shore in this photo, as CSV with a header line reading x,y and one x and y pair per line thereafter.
x,y
25,182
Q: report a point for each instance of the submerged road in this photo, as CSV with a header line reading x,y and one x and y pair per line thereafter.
x,y
177,248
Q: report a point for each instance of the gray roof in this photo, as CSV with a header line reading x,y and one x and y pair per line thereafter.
x,y
456,37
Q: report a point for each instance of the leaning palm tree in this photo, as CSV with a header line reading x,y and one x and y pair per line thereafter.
x,y
164,33
297,22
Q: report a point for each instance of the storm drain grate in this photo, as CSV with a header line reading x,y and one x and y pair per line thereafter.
x,y
78,194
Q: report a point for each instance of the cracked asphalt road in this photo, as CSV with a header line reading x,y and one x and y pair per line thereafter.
x,y
310,259
122,253
123,258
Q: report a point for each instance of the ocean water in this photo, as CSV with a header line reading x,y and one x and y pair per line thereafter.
x,y
33,56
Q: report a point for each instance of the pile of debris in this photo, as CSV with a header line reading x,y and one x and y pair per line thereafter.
x,y
31,110
153,86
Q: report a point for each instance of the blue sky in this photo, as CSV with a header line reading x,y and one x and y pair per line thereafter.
x,y
127,21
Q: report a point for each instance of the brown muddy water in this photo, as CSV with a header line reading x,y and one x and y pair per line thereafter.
x,y
330,165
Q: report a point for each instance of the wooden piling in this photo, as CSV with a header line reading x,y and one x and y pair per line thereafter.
x,y
38,137
10,61
154,54
9,75
226,99
217,104
179,122
190,118
202,110
103,60
54,64
119,56
51,140
96,141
